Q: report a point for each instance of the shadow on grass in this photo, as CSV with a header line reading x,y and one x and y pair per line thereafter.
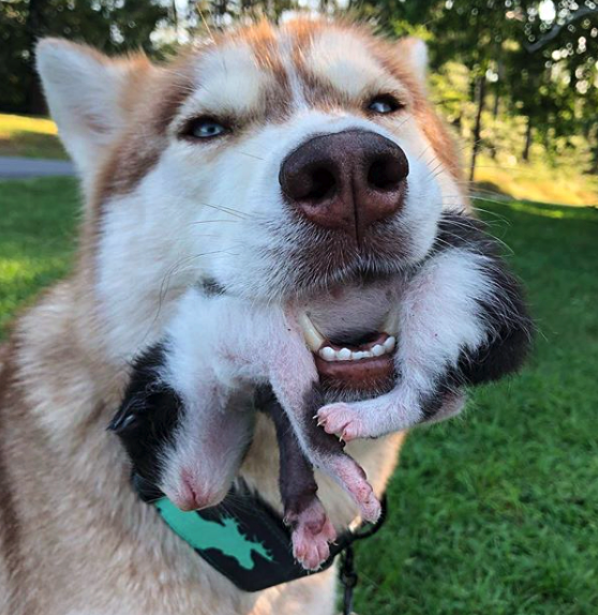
x,y
32,145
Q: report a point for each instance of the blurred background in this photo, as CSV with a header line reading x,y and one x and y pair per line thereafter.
x,y
495,512
517,79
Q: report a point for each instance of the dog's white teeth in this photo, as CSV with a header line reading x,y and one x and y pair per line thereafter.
x,y
330,354
345,354
312,336
315,340
327,353
378,350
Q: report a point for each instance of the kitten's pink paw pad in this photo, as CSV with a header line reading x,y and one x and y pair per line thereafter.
x,y
311,540
342,420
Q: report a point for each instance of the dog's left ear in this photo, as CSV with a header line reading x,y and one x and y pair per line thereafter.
x,y
87,93
415,53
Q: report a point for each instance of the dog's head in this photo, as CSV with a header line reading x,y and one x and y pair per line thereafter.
x,y
278,163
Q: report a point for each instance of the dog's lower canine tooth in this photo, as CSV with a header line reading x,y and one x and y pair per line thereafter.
x,y
389,344
391,323
313,337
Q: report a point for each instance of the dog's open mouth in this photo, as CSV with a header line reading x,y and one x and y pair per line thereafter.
x,y
362,363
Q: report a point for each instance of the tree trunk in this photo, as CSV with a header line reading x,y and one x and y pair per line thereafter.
x,y
174,14
481,97
34,26
528,140
496,102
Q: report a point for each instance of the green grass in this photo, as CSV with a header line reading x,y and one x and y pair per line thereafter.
x,y
37,222
537,182
494,513
30,137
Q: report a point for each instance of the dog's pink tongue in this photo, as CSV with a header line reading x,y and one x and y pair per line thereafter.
x,y
368,374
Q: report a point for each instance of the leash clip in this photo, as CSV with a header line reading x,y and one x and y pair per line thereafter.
x,y
349,579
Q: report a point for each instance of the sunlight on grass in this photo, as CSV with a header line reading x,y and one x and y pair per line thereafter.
x,y
539,183
36,239
558,214
19,276
25,270
30,137
12,124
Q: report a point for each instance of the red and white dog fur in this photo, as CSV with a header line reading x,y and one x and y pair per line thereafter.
x,y
181,173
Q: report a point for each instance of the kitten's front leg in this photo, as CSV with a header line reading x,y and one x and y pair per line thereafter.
x,y
462,321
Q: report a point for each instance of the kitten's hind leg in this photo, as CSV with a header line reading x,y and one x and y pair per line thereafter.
x,y
303,511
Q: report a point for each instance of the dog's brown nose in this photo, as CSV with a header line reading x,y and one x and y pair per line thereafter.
x,y
346,180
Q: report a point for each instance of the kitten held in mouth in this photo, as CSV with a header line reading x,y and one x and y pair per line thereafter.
x,y
458,318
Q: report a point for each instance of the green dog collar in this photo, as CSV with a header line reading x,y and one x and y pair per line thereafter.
x,y
245,539
242,538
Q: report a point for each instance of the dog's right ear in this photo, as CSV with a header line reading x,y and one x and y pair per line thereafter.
x,y
88,95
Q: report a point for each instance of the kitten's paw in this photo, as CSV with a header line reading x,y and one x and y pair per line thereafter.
x,y
312,535
343,420
353,479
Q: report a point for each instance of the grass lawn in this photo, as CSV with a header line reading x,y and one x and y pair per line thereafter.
x,y
537,182
493,513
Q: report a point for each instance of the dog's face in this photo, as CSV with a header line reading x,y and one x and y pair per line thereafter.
x,y
277,163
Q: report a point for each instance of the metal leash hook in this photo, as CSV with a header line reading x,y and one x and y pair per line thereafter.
x,y
349,579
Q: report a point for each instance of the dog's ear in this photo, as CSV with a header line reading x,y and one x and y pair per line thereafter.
x,y
88,95
415,53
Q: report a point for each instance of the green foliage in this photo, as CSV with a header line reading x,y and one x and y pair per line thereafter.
x,y
538,59
110,25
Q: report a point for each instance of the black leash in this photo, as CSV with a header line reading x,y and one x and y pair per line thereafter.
x,y
347,573
349,579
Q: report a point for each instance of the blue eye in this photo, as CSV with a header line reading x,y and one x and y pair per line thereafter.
x,y
384,105
204,128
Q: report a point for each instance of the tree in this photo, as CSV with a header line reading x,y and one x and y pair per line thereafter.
x,y
111,25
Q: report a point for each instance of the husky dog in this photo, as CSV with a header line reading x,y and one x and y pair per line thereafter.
x,y
287,165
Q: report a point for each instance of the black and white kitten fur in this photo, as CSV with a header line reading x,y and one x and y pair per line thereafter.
x,y
459,317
